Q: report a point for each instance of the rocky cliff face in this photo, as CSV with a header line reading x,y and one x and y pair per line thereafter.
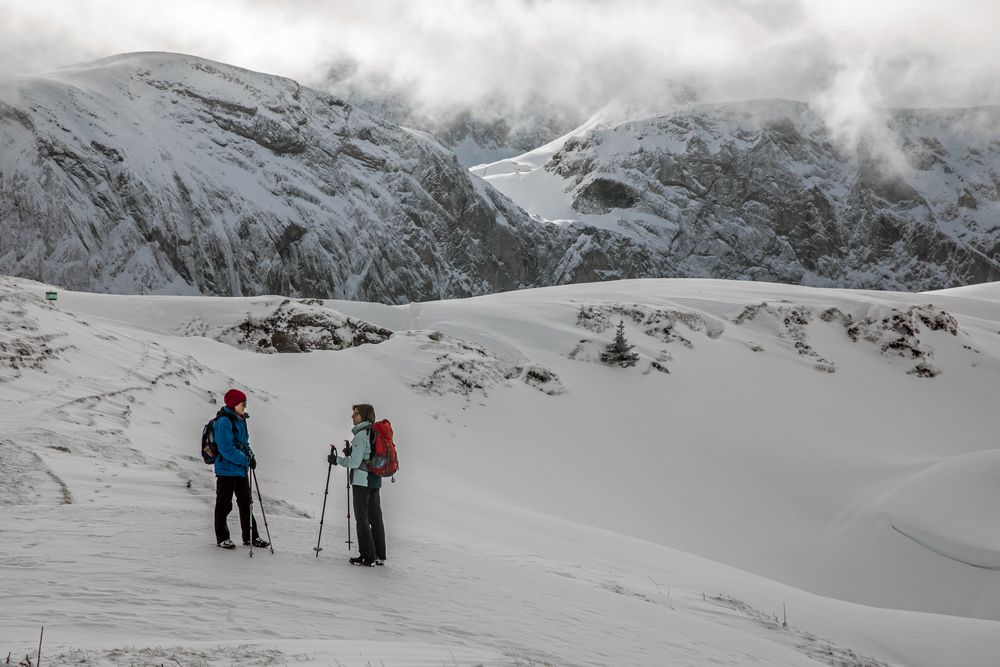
x,y
761,191
154,173
161,173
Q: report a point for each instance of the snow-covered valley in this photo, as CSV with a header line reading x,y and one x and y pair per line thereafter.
x,y
829,455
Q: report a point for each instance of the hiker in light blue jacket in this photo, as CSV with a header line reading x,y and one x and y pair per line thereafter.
x,y
365,485
232,464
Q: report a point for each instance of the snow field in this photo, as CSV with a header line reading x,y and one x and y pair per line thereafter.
x,y
637,517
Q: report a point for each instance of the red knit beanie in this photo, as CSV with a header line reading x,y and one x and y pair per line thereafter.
x,y
233,398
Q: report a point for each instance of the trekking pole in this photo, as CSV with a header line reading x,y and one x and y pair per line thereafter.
x,y
349,509
260,501
326,492
250,553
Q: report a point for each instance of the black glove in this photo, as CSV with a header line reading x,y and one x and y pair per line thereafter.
x,y
347,448
253,462
332,457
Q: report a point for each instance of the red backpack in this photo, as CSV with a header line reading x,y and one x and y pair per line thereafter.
x,y
383,461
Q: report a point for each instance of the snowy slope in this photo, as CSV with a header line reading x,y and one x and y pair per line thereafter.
x,y
827,452
766,190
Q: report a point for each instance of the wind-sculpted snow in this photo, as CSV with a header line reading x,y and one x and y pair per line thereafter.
x,y
789,323
895,332
657,323
465,368
948,508
301,326
898,333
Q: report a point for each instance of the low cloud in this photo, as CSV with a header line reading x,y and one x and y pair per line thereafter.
x,y
849,57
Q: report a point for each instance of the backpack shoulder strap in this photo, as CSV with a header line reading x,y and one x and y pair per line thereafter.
x,y
232,421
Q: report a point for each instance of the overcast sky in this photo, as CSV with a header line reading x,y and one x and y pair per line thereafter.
x,y
839,52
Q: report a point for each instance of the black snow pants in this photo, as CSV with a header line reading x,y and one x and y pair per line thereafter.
x,y
225,487
371,532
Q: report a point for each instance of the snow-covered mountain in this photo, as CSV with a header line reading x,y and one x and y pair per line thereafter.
x,y
161,173
778,452
166,173
763,190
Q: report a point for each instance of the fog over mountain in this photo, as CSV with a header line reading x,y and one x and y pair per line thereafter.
x,y
854,57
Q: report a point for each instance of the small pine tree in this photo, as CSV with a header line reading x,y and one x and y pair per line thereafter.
x,y
620,352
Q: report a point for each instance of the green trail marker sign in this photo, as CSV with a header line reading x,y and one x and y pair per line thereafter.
x,y
50,296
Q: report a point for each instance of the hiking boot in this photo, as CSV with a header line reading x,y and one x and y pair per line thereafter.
x,y
259,543
380,562
227,544
362,562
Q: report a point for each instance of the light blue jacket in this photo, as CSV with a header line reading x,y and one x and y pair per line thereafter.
x,y
234,453
360,454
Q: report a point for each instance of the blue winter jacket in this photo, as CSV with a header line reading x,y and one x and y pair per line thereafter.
x,y
361,448
234,454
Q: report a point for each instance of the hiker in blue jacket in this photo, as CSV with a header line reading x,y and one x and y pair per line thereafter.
x,y
365,485
232,467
